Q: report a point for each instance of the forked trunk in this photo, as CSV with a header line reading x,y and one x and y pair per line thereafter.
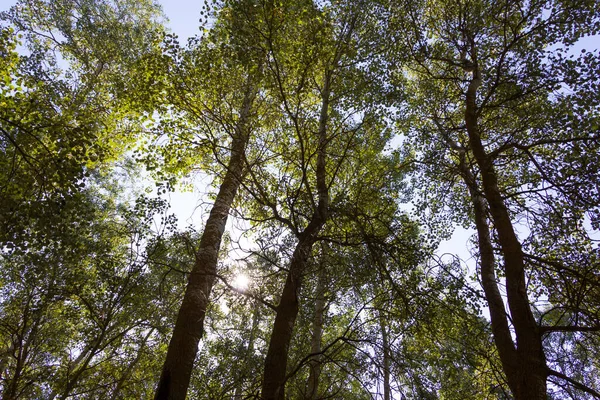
x,y
527,372
274,376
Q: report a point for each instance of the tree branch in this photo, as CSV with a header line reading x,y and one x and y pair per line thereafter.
x,y
575,383
568,328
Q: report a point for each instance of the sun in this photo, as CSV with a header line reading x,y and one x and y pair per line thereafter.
x,y
241,282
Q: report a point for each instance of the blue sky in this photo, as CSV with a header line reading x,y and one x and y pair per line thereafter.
x,y
183,15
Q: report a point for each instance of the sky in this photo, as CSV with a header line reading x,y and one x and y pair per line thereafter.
x,y
183,17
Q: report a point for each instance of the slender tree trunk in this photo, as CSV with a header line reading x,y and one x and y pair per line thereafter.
x,y
276,360
13,384
498,314
189,327
131,367
527,376
25,337
81,364
386,358
314,374
239,390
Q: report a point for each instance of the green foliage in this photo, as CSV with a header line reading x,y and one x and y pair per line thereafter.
x,y
89,289
79,305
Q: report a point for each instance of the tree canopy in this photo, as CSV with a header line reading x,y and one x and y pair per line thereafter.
x,y
342,142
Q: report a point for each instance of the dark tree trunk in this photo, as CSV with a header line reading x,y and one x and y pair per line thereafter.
x,y
178,366
528,372
281,336
487,263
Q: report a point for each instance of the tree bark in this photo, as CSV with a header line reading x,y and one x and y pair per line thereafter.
x,y
527,374
487,263
189,327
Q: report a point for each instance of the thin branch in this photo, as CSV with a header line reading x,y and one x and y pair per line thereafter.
x,y
568,328
575,383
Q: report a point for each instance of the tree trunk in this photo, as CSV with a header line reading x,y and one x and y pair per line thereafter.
x,y
189,327
281,335
526,376
25,337
386,358
314,374
276,360
487,263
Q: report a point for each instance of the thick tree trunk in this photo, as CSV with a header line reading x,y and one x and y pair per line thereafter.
x,y
281,335
314,374
526,376
177,369
276,360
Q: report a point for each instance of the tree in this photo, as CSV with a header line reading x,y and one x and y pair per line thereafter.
x,y
317,122
494,84
312,145
70,278
75,308
221,125
63,112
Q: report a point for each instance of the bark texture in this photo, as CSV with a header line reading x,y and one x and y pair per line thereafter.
x,y
189,327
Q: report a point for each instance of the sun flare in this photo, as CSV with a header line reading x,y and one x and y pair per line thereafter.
x,y
241,282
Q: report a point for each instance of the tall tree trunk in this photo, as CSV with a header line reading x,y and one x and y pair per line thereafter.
x,y
189,327
281,335
387,393
527,376
498,314
276,360
314,373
